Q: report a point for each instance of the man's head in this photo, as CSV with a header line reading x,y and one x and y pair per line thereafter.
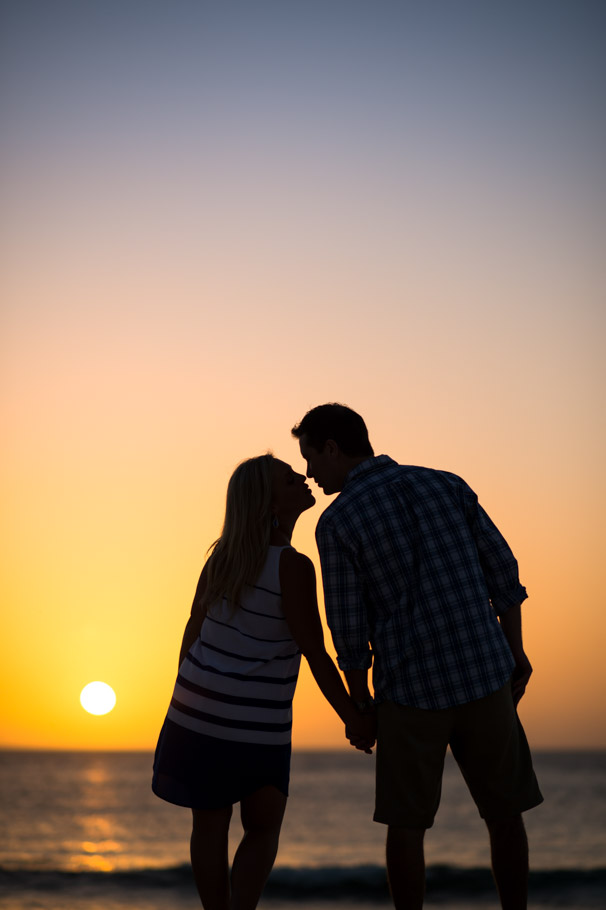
x,y
333,439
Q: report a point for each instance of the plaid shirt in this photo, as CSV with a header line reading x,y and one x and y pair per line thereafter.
x,y
413,566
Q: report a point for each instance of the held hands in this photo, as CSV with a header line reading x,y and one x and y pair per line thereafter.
x,y
361,731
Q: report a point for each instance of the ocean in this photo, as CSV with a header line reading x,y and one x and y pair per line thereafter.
x,y
82,831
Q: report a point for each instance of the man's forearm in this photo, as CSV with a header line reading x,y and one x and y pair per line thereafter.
x,y
511,623
357,683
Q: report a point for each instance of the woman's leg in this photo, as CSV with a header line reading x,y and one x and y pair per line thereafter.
x,y
209,856
262,813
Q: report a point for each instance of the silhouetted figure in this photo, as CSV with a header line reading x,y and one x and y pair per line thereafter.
x,y
227,734
414,569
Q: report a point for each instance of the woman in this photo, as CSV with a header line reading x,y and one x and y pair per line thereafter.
x,y
227,734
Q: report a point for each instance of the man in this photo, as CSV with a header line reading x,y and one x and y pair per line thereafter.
x,y
420,584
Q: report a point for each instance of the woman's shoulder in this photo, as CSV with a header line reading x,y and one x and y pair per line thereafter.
x,y
294,563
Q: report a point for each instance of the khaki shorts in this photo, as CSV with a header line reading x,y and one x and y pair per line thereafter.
x,y
487,741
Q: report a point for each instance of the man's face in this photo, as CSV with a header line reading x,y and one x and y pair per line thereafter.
x,y
324,467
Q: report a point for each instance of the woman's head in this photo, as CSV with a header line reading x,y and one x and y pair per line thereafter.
x,y
237,556
290,495
248,502
260,490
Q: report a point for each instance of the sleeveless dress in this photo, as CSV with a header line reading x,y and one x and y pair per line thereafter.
x,y
227,731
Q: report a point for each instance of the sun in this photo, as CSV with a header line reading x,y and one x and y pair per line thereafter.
x,y
97,698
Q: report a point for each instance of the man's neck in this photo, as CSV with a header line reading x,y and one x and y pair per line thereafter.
x,y
354,461
351,462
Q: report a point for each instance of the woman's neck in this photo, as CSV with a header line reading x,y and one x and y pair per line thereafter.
x,y
280,536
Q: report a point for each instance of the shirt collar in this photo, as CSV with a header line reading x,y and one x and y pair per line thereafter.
x,y
374,463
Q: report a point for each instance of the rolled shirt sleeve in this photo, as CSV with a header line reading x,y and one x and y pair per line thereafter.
x,y
499,565
345,609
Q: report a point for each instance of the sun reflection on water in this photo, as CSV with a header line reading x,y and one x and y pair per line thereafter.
x,y
100,847
97,856
96,826
104,846
95,863
97,774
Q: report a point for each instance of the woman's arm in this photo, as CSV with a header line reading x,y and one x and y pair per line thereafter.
x,y
194,623
300,606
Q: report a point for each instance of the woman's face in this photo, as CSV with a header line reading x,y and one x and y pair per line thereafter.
x,y
290,494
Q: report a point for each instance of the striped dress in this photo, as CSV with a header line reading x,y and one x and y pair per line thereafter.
x,y
230,717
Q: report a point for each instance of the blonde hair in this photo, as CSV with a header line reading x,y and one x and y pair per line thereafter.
x,y
237,557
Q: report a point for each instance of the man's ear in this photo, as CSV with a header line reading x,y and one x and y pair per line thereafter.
x,y
332,448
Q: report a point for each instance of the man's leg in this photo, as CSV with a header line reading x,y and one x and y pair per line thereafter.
x,y
491,748
406,867
411,745
509,854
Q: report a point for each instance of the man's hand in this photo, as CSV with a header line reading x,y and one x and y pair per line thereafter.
x,y
511,623
519,679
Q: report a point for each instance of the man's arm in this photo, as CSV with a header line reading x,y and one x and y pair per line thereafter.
x,y
345,608
347,620
500,569
499,565
357,683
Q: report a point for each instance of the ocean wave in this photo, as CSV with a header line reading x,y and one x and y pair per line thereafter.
x,y
311,883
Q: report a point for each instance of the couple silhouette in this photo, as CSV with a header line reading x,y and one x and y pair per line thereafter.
x,y
420,586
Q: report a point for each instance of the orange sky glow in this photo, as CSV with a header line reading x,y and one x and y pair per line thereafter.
x,y
211,236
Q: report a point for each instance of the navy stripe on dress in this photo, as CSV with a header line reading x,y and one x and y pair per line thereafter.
x,y
274,680
257,659
267,591
264,615
226,625
227,722
232,699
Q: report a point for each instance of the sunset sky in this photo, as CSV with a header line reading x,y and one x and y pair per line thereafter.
x,y
218,215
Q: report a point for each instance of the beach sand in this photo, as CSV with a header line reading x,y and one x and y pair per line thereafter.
x,y
161,899
164,901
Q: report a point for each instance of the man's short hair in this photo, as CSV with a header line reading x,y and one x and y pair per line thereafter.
x,y
338,422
